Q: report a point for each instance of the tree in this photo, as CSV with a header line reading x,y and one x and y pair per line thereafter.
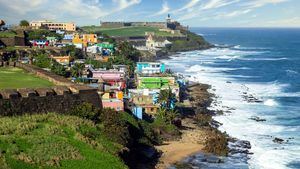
x,y
42,61
128,51
58,69
167,116
24,23
77,70
42,34
166,98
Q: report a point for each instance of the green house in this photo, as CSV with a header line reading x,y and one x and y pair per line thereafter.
x,y
155,82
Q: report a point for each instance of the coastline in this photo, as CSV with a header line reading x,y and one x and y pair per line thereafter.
x,y
196,136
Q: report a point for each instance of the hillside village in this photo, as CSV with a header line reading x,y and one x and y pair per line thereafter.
x,y
109,75
94,59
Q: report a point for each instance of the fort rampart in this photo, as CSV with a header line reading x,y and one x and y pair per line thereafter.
x,y
61,98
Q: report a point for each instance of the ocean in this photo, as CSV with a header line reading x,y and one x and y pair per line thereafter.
x,y
260,63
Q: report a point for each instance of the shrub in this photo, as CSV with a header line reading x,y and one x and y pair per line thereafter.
x,y
113,126
216,143
42,61
203,119
86,111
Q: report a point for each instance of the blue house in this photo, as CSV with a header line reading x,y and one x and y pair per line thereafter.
x,y
137,111
150,67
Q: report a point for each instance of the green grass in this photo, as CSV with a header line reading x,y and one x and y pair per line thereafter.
x,y
126,31
12,78
7,34
55,141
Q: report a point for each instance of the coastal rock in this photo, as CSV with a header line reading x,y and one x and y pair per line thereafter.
x,y
278,140
213,159
256,118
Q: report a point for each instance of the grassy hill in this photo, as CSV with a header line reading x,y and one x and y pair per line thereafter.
x,y
55,141
12,78
7,34
126,31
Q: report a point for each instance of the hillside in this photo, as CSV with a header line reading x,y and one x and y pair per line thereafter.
x,y
192,42
126,31
51,141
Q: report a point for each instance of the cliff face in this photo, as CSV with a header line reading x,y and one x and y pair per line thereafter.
x,y
192,42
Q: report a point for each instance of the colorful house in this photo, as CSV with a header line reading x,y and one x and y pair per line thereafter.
x,y
115,104
84,39
115,79
155,82
52,40
64,60
150,67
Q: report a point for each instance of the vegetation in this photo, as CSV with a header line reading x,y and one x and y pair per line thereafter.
x,y
58,69
125,31
55,141
7,34
72,51
42,61
24,23
166,98
77,70
18,78
41,34
217,143
193,42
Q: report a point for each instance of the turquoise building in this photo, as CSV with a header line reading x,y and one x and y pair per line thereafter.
x,y
150,67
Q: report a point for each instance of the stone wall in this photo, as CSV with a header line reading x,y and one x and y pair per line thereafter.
x,y
61,98
13,41
58,99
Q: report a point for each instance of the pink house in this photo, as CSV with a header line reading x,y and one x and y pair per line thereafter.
x,y
112,77
115,104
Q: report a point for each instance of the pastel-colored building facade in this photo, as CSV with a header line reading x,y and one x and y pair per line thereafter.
x,y
114,78
155,82
150,67
115,104
85,39
67,26
64,60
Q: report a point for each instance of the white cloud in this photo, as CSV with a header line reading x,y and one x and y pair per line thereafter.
x,y
123,4
21,6
189,5
289,22
204,8
260,3
217,4
164,9
236,13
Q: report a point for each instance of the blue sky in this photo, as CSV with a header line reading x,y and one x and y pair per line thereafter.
x,y
195,13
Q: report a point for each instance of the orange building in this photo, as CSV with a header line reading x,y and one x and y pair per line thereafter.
x,y
64,60
66,26
85,39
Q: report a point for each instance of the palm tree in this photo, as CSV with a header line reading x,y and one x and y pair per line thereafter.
x,y
166,98
167,116
77,70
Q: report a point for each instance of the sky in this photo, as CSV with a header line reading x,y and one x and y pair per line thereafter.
x,y
195,13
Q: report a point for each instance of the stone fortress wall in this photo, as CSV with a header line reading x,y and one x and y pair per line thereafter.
x,y
61,98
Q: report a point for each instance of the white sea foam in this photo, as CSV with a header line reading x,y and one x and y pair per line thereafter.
x,y
237,123
264,59
270,102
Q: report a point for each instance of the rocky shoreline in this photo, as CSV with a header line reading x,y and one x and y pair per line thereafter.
x,y
200,138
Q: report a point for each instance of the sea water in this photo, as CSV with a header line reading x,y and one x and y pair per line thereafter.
x,y
264,63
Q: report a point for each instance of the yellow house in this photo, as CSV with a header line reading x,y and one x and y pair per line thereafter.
x,y
64,60
85,39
